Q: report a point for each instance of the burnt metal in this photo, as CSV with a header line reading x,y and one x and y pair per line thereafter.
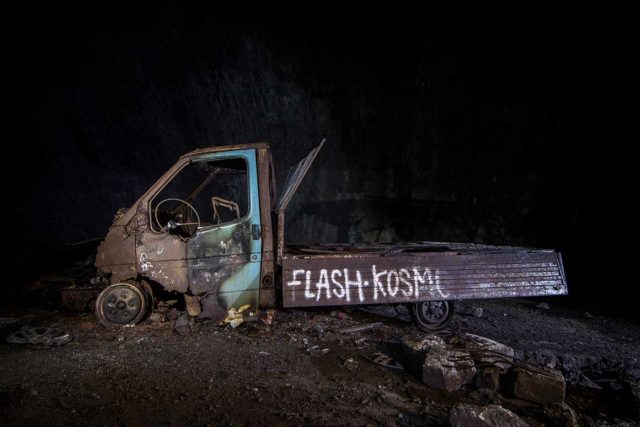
x,y
207,265
267,295
230,265
122,303
40,336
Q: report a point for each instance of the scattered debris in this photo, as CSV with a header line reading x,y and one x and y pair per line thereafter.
x,y
464,415
192,304
155,318
422,344
386,361
41,336
173,314
351,364
361,328
231,315
543,306
470,310
234,323
305,358
237,317
340,315
183,324
267,316
477,312
360,342
632,373
318,329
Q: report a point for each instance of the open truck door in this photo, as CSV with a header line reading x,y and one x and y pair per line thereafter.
x,y
294,178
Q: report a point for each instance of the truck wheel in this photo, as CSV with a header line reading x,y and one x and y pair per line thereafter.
x,y
432,315
124,303
148,293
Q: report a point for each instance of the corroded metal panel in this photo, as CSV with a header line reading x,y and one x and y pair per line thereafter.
x,y
267,198
161,257
117,254
373,278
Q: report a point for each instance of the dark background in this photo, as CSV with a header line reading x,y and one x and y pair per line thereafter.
x,y
507,140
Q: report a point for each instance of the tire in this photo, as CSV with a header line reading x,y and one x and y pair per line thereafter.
x,y
432,315
123,303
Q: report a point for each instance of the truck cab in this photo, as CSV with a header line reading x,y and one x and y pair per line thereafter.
x,y
204,230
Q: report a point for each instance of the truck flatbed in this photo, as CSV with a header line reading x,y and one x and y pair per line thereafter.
x,y
319,275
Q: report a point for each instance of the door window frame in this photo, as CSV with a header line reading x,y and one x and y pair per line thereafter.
x,y
203,158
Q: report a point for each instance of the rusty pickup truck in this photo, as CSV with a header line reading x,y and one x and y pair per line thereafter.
x,y
212,230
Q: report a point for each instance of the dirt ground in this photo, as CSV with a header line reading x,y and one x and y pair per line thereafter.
x,y
302,370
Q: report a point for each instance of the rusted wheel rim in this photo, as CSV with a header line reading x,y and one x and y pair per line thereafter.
x,y
121,304
434,312
433,315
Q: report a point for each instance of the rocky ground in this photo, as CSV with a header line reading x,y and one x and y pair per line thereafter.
x,y
308,367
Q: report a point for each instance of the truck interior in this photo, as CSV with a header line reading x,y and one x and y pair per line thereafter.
x,y
202,194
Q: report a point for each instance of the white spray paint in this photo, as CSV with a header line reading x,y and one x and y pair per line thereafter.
x,y
345,285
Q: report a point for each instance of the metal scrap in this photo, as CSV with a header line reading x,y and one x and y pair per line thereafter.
x,y
361,328
386,361
40,336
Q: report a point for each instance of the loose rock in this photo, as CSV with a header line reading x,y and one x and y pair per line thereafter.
x,y
542,385
183,325
485,350
448,369
562,414
488,378
464,415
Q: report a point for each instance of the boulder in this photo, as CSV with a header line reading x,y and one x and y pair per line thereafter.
x,y
464,415
562,414
448,369
415,349
485,350
540,385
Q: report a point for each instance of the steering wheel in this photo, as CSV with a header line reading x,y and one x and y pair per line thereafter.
x,y
172,224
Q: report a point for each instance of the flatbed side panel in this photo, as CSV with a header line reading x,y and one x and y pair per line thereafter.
x,y
320,280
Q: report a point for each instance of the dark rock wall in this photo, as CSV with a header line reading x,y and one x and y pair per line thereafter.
x,y
426,139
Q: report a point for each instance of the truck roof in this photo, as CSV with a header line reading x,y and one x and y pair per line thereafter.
x,y
220,148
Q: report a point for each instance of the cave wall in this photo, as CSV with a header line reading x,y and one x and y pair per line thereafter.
x,y
426,139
